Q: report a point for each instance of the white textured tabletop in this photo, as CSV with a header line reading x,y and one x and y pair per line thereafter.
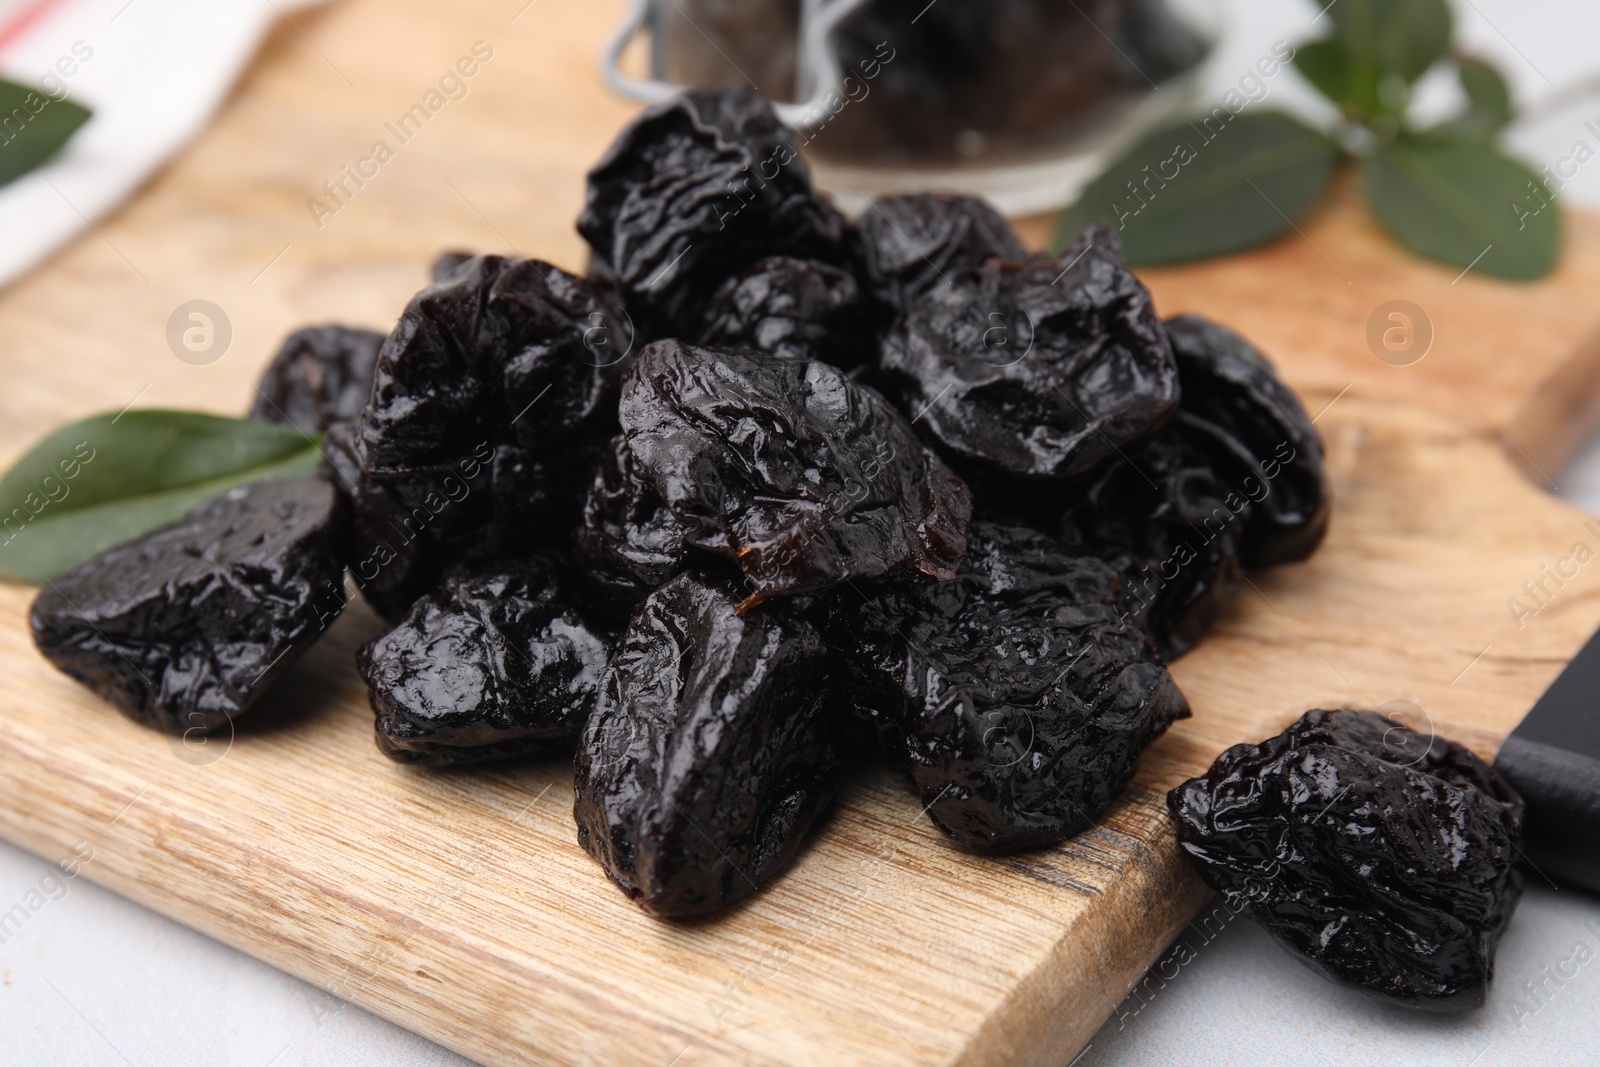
x,y
89,979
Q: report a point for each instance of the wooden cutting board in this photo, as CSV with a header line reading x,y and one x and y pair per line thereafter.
x,y
458,904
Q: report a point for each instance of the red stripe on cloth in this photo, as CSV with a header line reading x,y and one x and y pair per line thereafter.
x,y
23,20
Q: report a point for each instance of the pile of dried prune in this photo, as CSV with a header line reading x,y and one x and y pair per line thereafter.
x,y
1381,856
763,494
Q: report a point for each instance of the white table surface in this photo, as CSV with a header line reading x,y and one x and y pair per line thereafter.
x,y
92,980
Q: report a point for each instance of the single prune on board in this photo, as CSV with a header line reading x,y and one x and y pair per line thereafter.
x,y
710,752
1018,695
492,664
792,309
1037,369
184,629
1162,516
492,400
911,244
629,537
1264,445
321,375
791,470
693,192
1381,856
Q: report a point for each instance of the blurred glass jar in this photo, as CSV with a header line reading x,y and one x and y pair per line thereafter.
x,y
1020,101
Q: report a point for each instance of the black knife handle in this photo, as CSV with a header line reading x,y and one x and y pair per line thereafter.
x,y
1562,789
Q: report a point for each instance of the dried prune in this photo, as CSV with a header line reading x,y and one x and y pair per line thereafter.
x,y
693,192
445,264
184,629
1036,368
1160,514
490,665
1381,856
910,244
710,753
321,375
630,537
802,477
792,309
1019,695
492,399
1259,436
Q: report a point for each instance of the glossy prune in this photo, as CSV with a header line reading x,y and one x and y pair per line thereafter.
x,y
1260,438
490,665
1036,369
321,375
694,191
791,470
1381,856
792,309
710,753
184,629
629,536
492,399
1160,515
1018,696
911,244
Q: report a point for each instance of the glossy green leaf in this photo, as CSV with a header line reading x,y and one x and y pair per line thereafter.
x,y
111,478
1465,204
1327,66
1487,92
1488,103
32,127
1209,187
1393,37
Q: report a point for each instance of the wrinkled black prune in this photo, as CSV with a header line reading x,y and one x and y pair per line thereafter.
x,y
492,399
710,753
910,244
1038,368
1019,695
1259,436
184,629
693,192
492,664
800,476
321,375
1160,515
792,309
630,537
1383,857
445,264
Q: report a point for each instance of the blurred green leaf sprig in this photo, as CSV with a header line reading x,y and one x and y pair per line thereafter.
x,y
1236,179
33,127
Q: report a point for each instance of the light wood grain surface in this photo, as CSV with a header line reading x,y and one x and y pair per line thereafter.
x,y
459,904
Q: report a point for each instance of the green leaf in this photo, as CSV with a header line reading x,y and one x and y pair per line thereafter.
x,y
1487,92
1220,184
112,478
1463,203
1328,67
1393,37
1488,103
32,127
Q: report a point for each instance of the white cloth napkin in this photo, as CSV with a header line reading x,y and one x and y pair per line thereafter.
x,y
152,71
